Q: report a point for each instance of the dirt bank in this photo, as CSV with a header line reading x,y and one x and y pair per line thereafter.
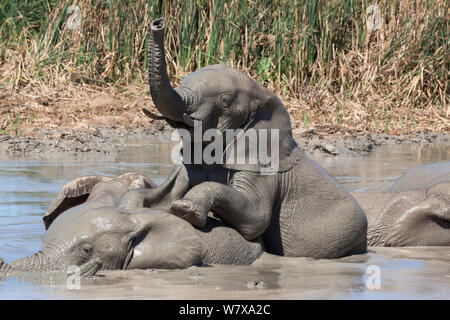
x,y
40,127
46,144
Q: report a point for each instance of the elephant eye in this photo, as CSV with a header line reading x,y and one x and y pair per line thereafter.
x,y
226,99
86,249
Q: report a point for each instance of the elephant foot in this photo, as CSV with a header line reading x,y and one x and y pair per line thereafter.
x,y
187,210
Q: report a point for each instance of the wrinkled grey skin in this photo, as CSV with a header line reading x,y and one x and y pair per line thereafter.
x,y
300,210
96,234
416,211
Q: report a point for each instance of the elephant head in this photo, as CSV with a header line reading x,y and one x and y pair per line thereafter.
x,y
219,97
96,234
409,218
111,238
426,222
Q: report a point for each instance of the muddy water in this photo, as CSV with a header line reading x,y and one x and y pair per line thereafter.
x,y
27,187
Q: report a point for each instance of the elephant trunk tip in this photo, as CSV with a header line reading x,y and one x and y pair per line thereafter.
x,y
90,267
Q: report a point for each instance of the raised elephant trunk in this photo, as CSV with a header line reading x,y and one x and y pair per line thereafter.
x,y
166,99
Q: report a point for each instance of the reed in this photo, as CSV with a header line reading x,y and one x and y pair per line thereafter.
x,y
318,55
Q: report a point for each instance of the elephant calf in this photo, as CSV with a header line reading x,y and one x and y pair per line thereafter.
x,y
416,211
85,228
298,210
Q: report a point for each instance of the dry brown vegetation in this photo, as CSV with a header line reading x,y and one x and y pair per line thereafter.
x,y
319,56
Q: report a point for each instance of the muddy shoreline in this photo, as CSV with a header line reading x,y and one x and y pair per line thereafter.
x,y
42,128
47,144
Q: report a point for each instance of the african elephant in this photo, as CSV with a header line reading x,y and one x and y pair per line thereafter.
x,y
416,211
85,228
298,209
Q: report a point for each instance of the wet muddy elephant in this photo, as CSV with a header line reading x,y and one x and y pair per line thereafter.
x,y
298,210
416,211
85,228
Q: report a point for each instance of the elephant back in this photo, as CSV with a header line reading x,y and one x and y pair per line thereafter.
x,y
423,177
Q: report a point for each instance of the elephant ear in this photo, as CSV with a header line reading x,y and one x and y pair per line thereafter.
x,y
72,194
269,124
425,223
418,226
165,241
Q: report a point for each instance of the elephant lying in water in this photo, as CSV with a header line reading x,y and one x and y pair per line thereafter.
x,y
85,228
298,209
416,211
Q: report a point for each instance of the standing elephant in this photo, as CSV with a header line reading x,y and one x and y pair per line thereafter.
x,y
416,211
299,210
85,228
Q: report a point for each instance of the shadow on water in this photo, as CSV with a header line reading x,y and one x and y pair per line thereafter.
x,y
27,188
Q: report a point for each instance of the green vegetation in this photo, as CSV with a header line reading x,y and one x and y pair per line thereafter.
x,y
287,45
14,123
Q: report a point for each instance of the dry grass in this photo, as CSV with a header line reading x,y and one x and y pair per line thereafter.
x,y
319,56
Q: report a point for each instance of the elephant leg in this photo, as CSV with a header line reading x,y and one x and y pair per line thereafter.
x,y
246,204
161,197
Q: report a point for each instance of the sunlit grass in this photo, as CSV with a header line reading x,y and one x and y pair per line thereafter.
x,y
318,53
